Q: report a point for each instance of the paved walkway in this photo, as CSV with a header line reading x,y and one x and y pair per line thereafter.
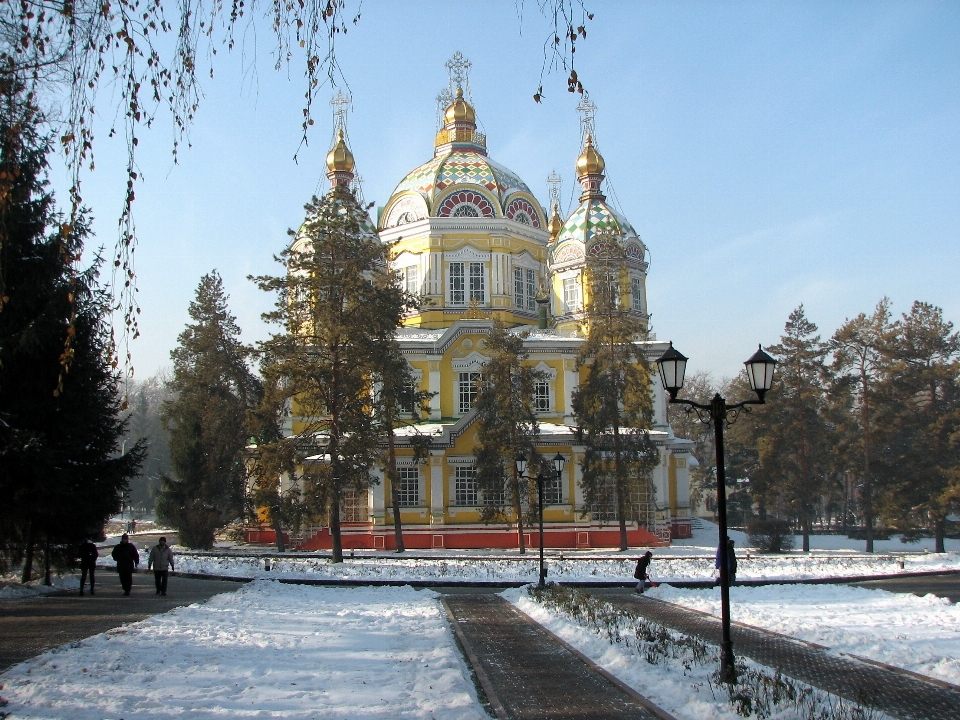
x,y
527,673
897,693
29,626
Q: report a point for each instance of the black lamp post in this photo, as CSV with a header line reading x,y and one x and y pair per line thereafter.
x,y
540,478
760,369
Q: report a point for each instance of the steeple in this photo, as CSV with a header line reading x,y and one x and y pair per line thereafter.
x,y
555,224
340,163
459,131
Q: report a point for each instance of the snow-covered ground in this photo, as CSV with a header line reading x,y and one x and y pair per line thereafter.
x,y
13,589
921,634
605,567
267,650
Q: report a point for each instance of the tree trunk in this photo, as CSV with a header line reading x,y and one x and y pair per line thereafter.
x,y
394,493
939,530
277,529
46,562
335,526
867,489
805,527
518,509
28,555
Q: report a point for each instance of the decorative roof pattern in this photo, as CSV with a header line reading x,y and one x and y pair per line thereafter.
x,y
594,216
464,167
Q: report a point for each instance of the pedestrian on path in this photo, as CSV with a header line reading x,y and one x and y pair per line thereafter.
x,y
161,558
731,562
88,555
641,571
127,559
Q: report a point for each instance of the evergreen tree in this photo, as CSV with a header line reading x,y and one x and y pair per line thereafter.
x,y
207,420
916,456
860,352
60,400
336,304
396,398
506,426
700,387
795,435
614,404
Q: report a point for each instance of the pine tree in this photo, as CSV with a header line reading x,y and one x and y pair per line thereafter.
x,y
60,401
860,351
336,305
207,421
795,436
614,404
506,426
916,455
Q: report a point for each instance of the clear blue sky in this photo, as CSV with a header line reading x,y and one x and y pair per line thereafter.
x,y
769,154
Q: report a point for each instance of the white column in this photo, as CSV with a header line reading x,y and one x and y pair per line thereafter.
x,y
375,498
437,507
433,385
571,380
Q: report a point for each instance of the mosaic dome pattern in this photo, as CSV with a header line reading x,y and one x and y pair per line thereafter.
x,y
591,218
464,167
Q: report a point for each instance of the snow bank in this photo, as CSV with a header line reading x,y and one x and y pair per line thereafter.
x,y
36,587
921,634
266,650
578,569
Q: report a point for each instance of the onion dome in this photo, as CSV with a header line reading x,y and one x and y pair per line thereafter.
x,y
461,181
340,158
460,111
590,161
555,225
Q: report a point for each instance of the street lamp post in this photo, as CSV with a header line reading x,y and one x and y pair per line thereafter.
x,y
760,367
521,462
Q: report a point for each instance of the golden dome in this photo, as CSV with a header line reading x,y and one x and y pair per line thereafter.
x,y
460,110
590,161
556,224
340,158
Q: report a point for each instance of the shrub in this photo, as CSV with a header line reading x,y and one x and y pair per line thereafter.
x,y
770,536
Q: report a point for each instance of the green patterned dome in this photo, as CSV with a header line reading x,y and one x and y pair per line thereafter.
x,y
462,183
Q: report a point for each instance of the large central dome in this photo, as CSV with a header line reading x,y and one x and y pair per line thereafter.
x,y
461,181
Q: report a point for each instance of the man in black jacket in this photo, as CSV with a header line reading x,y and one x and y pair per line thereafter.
x,y
127,559
640,573
88,563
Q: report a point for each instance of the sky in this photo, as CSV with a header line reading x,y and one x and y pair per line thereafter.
x,y
768,154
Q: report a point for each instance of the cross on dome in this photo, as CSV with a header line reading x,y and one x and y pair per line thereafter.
x,y
444,100
588,110
459,69
339,103
554,181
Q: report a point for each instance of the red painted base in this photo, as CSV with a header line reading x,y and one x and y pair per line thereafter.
x,y
367,537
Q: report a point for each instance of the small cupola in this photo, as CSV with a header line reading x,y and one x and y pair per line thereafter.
x,y
340,163
590,167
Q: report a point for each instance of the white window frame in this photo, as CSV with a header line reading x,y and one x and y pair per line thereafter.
x,y
553,490
636,293
411,279
572,297
525,288
468,382
466,489
409,486
541,396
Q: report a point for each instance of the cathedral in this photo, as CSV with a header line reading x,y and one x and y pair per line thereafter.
x,y
476,245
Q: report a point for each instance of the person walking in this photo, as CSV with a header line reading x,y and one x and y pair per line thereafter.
x,y
161,558
88,563
731,562
127,559
641,571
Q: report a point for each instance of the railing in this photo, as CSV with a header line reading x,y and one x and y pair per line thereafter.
x,y
461,136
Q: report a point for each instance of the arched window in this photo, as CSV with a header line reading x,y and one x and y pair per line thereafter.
x,y
466,210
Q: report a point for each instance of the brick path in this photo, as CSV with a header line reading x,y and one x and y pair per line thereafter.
x,y
527,673
896,693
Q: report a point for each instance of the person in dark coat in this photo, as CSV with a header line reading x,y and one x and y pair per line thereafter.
x,y
127,559
731,562
641,572
88,563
